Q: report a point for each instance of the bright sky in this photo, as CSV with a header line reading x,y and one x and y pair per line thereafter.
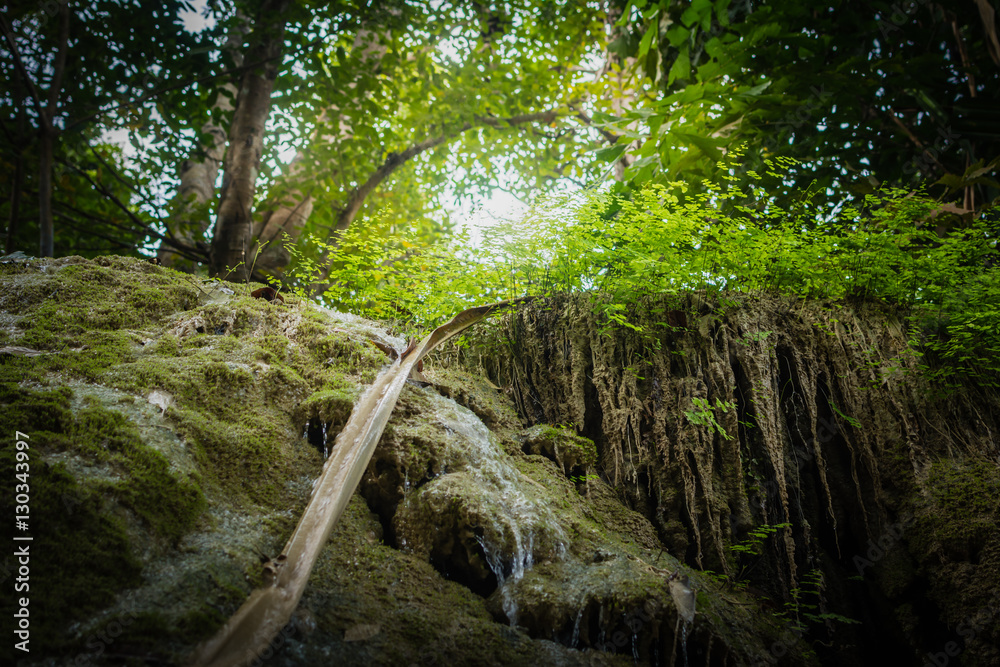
x,y
498,208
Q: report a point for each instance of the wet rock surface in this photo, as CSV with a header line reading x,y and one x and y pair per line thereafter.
x,y
794,447
178,426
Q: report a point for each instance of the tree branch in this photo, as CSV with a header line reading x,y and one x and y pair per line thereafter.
x,y
186,251
395,160
60,64
610,136
19,64
110,196
70,222
184,84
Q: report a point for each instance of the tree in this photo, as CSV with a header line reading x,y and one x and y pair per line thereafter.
x,y
860,93
67,69
378,102
399,93
246,136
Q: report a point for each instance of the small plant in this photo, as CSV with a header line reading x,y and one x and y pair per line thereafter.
x,y
704,414
754,337
850,420
750,550
804,608
753,545
582,479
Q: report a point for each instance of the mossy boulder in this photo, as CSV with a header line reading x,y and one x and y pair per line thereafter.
x,y
169,421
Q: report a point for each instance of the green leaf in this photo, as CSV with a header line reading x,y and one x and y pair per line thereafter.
x,y
610,153
681,69
677,35
647,39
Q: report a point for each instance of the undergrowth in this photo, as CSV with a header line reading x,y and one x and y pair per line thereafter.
x,y
894,246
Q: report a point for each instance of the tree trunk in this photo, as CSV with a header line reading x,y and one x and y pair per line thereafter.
x,y
199,172
47,139
18,185
45,228
284,223
246,143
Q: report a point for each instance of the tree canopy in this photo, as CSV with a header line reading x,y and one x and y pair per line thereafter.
x,y
862,94
287,129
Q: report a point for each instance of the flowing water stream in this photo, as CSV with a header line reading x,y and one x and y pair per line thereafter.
x,y
514,527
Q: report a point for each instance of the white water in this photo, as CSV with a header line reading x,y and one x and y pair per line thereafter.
x,y
517,525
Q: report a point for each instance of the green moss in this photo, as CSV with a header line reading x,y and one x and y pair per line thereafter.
x,y
168,345
169,504
241,458
43,414
271,349
333,405
964,513
956,536
200,624
572,452
120,294
80,555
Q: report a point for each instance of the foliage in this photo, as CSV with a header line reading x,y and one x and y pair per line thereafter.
x,y
850,420
863,94
887,249
704,415
360,83
806,605
753,545
583,479
750,550
114,63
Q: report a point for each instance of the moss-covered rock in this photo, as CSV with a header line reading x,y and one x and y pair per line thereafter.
x,y
819,418
172,424
574,454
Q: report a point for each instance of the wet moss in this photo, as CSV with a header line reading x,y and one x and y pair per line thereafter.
x,y
576,455
80,555
332,404
244,374
167,503
241,460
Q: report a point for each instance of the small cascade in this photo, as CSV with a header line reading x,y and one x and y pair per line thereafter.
x,y
575,639
490,498
516,517
684,641
315,433
685,600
